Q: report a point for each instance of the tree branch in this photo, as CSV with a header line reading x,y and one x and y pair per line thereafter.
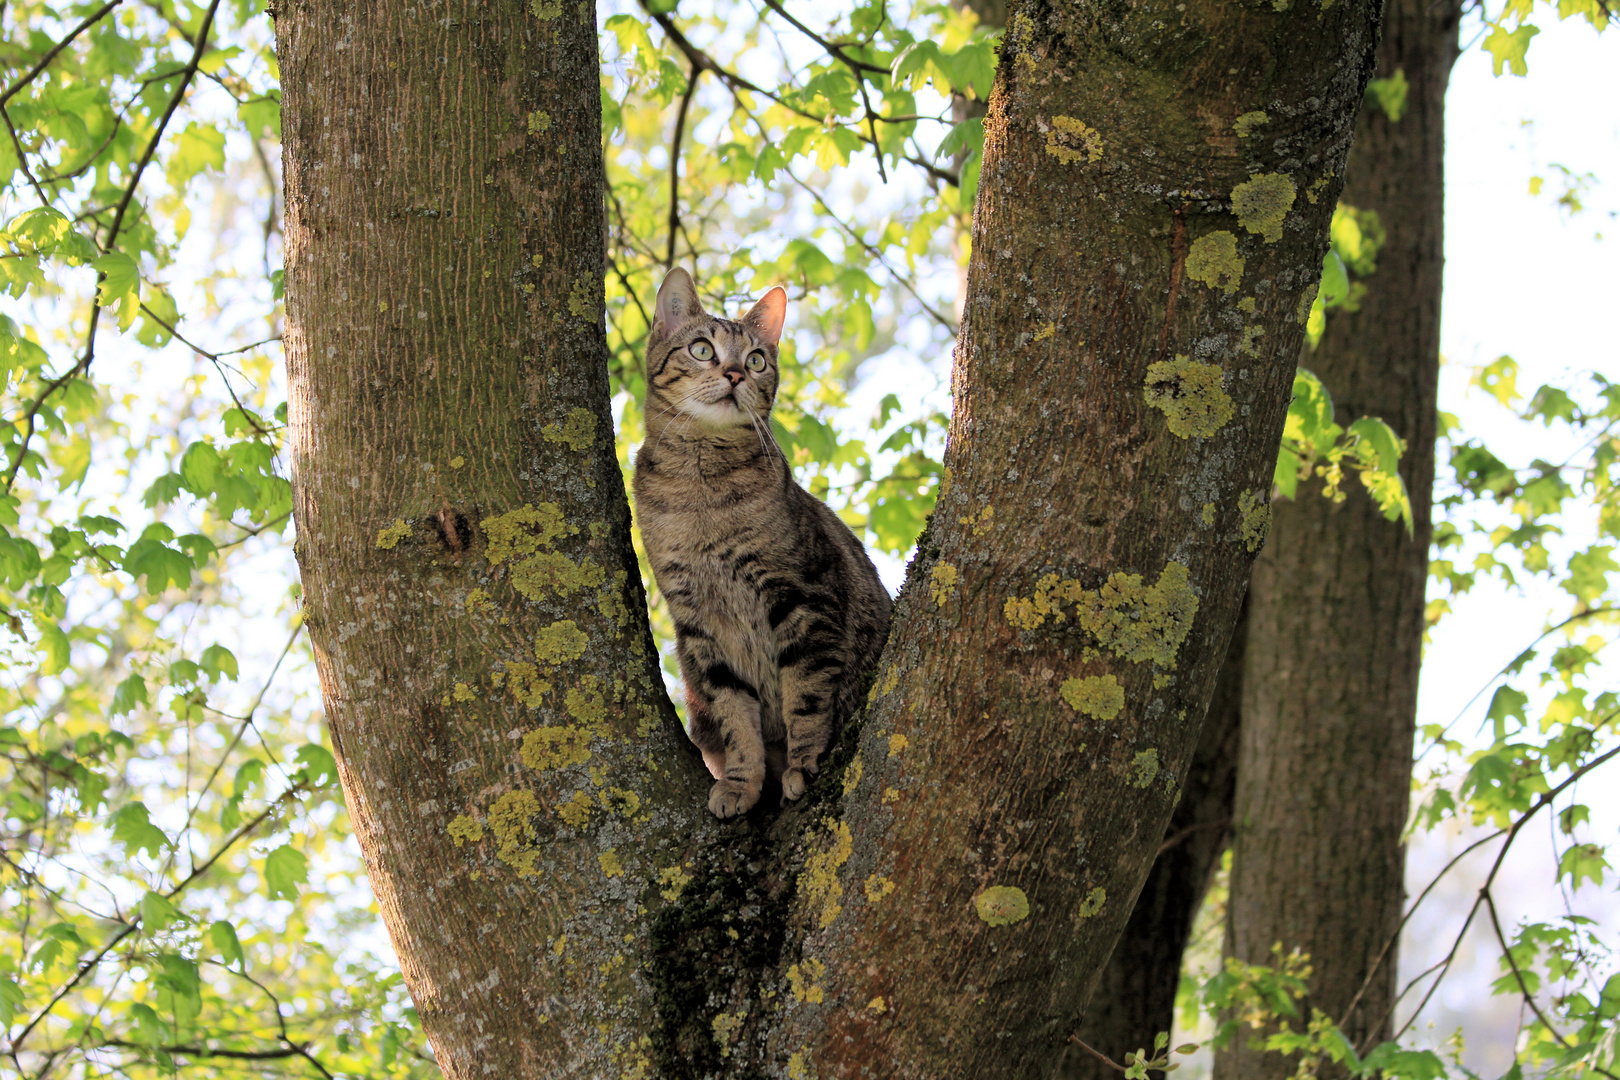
x,y
83,366
675,164
44,62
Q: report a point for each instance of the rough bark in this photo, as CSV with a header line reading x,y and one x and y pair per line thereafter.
x,y
1336,605
532,818
1135,998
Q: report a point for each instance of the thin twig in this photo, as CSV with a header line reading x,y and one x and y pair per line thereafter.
x,y
1444,965
83,366
675,164
135,920
736,83
214,359
33,72
1518,976
1098,1054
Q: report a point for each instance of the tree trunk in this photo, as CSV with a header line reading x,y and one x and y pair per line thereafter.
x,y
1336,605
1135,997
534,824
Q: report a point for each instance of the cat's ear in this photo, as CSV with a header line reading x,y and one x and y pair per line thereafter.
x,y
766,317
677,300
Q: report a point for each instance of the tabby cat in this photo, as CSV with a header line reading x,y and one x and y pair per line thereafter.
x,y
778,611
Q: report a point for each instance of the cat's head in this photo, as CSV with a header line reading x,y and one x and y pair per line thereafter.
x,y
719,373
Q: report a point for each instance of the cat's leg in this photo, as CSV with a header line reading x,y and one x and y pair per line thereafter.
x,y
704,731
810,682
733,713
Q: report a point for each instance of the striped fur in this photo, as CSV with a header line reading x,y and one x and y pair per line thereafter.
x,y
778,611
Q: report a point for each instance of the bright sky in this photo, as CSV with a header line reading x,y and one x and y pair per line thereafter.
x,y
1523,278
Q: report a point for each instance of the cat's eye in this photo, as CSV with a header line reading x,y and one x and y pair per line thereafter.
x,y
756,361
701,350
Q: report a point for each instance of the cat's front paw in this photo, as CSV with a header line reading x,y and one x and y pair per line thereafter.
x,y
792,785
728,798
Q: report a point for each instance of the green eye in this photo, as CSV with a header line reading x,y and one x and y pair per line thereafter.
x,y
701,350
756,361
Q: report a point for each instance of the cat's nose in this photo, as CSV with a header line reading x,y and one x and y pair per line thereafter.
x,y
735,377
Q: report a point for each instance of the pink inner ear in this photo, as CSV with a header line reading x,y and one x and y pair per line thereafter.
x,y
768,314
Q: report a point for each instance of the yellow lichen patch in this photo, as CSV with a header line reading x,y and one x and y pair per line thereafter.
x,y
1256,511
477,600
1097,696
877,887
1021,613
1071,141
524,531
1190,395
818,882
725,1027
1142,622
1002,905
560,642
1092,904
878,1005
1047,331
852,775
1138,622
1306,299
555,748
525,683
576,812
610,601
465,829
457,462
578,431
1262,203
981,522
621,801
1145,768
546,9
609,861
1246,305
585,703
393,534
539,122
944,483
583,298
897,744
554,571
1207,514
462,692
1314,192
673,880
890,795
509,821
942,582
805,982
1250,345
1214,260
1249,123
797,1069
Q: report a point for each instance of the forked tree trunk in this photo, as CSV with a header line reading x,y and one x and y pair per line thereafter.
x,y
532,820
1336,606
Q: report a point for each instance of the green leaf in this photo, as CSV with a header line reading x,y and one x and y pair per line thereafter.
x,y
132,827
120,283
219,662
1335,281
158,914
128,696
319,767
54,644
1508,49
222,939
197,148
284,870
1583,862
1389,95
1506,703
